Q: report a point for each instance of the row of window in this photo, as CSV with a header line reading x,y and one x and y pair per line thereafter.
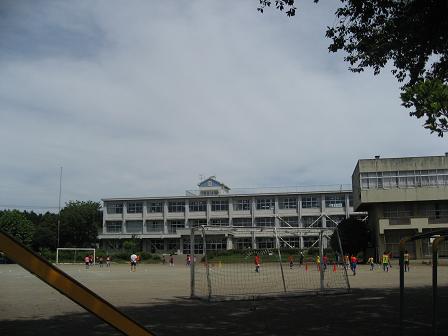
x,y
404,179
308,202
157,226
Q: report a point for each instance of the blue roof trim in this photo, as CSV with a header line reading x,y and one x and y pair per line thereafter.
x,y
205,183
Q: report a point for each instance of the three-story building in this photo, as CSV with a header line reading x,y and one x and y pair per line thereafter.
x,y
163,223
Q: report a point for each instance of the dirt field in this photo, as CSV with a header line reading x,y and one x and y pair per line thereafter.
x,y
157,296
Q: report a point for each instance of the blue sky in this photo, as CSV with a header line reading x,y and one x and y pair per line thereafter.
x,y
141,98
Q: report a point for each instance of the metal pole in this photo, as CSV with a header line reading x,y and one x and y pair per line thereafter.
x,y
342,258
434,288
435,257
401,266
280,259
321,252
59,207
192,263
207,266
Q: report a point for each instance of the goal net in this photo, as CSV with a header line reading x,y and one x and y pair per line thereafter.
x,y
251,262
73,255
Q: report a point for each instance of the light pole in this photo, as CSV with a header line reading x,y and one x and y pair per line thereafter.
x,y
59,208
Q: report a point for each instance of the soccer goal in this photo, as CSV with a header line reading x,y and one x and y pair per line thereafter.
x,y
73,255
252,262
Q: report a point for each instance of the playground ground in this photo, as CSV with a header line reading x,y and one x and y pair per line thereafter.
x,y
157,296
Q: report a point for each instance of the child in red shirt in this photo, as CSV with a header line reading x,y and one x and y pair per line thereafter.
x,y
257,263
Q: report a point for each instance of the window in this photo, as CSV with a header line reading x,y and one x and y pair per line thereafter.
x,y
265,221
334,201
196,206
135,207
397,211
209,192
114,208
403,178
310,241
287,203
390,179
196,222
172,245
288,242
241,205
309,202
263,243
312,221
334,221
243,243
198,247
174,225
292,221
155,207
247,222
265,203
154,226
220,205
219,221
176,206
156,245
134,227
113,227
216,244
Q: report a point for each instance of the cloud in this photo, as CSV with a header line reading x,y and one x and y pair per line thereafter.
x,y
140,99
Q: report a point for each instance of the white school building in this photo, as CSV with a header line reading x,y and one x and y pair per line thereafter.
x,y
163,223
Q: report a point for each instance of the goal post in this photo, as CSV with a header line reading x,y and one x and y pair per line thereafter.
x,y
250,262
72,255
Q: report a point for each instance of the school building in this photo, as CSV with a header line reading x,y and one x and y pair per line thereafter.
x,y
403,196
163,223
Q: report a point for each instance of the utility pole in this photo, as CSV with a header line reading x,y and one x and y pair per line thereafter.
x,y
59,208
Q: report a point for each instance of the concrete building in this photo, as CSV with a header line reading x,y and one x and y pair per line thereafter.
x,y
403,196
163,223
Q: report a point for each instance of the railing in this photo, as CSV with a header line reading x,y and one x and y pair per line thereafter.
x,y
275,190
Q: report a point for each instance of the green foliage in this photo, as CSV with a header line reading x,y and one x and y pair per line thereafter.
x,y
129,245
354,234
45,235
79,224
430,100
413,36
17,225
132,245
409,36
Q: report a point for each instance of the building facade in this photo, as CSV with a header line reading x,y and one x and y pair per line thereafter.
x,y
403,197
163,223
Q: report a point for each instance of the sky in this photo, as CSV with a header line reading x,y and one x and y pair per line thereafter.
x,y
141,98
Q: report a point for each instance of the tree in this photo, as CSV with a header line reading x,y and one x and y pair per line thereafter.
x,y
79,224
410,35
17,225
354,234
45,234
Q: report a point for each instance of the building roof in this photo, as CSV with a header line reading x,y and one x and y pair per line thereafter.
x,y
212,182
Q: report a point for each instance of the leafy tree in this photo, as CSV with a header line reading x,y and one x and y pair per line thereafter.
x,y
410,35
79,224
17,225
45,235
354,234
132,245
430,100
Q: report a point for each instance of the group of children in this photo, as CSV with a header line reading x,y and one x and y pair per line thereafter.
x,y
350,261
386,261
88,261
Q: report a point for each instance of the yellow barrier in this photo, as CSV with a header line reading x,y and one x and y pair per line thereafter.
x,y
69,287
